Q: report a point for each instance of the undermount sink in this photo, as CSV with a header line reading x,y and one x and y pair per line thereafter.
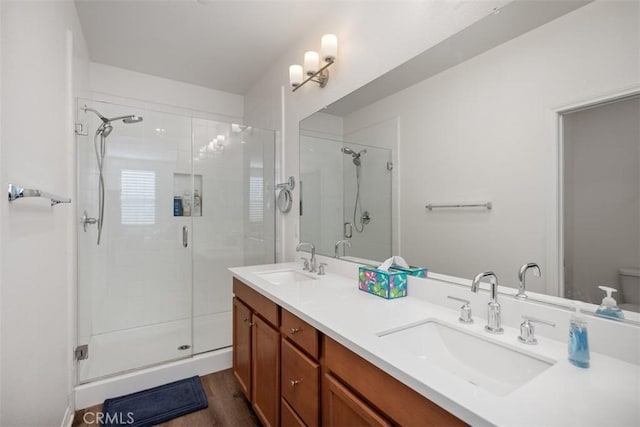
x,y
489,365
285,277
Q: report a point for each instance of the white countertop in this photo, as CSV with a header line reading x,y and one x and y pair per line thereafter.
x,y
606,394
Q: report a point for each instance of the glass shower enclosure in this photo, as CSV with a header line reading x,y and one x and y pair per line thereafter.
x,y
345,192
183,200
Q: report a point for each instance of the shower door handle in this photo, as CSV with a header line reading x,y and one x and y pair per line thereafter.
x,y
185,236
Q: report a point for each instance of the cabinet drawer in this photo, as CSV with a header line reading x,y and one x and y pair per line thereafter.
x,y
300,378
387,394
288,417
258,303
343,408
300,332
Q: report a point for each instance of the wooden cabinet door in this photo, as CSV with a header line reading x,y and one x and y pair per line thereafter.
x,y
288,417
242,346
343,408
266,372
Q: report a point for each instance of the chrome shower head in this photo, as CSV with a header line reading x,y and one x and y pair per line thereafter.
x,y
132,119
347,150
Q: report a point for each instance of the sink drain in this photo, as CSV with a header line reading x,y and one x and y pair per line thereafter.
x,y
184,347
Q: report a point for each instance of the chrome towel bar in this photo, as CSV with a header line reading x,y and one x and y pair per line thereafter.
x,y
486,205
15,193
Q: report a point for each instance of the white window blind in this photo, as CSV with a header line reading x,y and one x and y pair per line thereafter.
x,y
256,199
137,197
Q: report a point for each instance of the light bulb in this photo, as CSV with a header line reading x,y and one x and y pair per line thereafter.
x,y
295,75
311,62
329,49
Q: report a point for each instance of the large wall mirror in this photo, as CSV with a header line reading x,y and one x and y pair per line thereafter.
x,y
521,132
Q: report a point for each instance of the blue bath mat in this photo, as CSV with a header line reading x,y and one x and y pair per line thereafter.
x,y
155,405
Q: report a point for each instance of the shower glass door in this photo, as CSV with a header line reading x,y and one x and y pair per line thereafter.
x,y
134,288
346,193
235,225
367,201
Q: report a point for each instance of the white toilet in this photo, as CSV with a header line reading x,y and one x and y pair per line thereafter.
x,y
630,286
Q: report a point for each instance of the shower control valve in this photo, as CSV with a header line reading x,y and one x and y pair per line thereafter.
x,y
86,219
366,217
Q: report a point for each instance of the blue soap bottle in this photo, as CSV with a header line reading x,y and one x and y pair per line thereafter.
x,y
578,339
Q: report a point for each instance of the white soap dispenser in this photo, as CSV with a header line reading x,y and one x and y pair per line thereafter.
x,y
609,308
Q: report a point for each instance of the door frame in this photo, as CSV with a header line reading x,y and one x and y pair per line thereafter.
x,y
556,253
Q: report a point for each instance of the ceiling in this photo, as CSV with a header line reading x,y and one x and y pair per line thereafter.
x,y
223,45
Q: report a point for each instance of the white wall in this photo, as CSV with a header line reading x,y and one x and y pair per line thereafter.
x,y
601,194
44,64
485,130
374,37
112,84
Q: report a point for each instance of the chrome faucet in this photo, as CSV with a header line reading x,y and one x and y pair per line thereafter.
x,y
312,261
493,316
337,247
521,276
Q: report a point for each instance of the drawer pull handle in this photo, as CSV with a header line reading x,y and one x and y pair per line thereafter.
x,y
294,383
295,330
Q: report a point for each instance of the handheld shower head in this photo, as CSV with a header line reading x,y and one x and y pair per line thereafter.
x,y
354,156
105,129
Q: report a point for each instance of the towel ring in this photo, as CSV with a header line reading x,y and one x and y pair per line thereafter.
x,y
285,200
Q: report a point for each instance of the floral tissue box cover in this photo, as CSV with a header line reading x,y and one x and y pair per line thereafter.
x,y
386,284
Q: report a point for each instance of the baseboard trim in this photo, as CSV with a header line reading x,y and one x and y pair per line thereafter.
x,y
94,393
67,421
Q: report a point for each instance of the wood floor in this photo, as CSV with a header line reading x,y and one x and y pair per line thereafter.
x,y
227,406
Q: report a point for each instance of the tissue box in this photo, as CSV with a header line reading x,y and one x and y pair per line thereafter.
x,y
413,271
386,284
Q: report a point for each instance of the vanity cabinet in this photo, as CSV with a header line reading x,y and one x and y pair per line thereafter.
x,y
256,351
295,376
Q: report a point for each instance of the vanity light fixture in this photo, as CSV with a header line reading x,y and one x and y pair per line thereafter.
x,y
312,69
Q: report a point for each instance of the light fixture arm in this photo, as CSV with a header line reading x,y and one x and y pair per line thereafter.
x,y
321,76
